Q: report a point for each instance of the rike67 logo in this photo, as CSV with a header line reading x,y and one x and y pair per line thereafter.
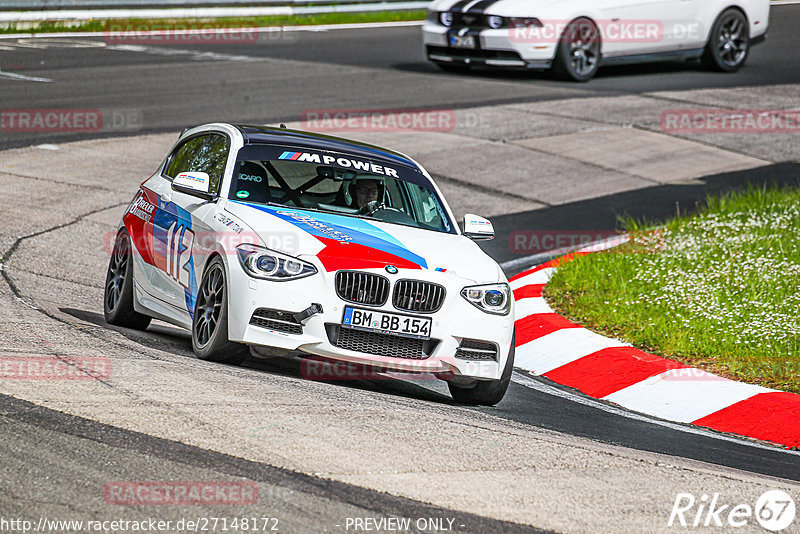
x,y
774,511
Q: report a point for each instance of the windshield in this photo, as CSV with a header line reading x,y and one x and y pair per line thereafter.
x,y
337,183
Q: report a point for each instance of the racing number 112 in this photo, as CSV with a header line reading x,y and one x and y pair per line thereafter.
x,y
179,253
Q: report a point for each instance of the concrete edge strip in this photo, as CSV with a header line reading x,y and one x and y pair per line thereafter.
x,y
201,12
551,346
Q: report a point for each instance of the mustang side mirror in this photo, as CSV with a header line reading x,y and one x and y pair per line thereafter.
x,y
193,183
477,228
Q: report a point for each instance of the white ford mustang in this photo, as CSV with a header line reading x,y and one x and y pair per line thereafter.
x,y
269,237
576,37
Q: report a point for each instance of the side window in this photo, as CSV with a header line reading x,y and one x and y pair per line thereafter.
x,y
181,160
206,153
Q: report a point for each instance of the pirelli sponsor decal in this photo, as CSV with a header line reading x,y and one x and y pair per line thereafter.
x,y
141,208
345,162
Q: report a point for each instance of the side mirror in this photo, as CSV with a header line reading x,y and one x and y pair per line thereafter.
x,y
477,228
193,183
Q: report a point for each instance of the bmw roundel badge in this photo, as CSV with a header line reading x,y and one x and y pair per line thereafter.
x,y
391,269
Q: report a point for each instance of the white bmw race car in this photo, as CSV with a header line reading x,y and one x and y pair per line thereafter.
x,y
270,237
576,37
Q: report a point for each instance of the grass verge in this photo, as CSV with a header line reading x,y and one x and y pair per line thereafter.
x,y
238,22
719,290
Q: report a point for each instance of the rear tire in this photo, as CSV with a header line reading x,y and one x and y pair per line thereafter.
x,y
729,42
578,54
118,297
210,322
486,392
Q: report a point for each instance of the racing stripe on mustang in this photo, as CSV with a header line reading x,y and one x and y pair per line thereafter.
x,y
350,243
461,4
479,7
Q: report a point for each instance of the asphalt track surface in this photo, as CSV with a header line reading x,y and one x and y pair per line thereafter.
x,y
318,70
281,76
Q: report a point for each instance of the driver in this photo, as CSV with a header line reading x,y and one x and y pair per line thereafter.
x,y
365,191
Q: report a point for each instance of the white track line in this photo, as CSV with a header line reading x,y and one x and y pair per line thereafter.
x,y
22,77
201,12
227,31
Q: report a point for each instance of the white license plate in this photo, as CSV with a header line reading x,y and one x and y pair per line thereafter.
x,y
462,41
387,323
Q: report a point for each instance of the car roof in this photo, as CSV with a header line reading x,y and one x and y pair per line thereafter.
x,y
317,141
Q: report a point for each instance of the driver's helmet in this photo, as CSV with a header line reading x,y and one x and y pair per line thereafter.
x,y
351,186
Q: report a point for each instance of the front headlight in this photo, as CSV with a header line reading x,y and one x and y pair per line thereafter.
x,y
260,262
495,22
491,298
446,18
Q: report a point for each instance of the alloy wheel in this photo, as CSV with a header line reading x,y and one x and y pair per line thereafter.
x,y
209,306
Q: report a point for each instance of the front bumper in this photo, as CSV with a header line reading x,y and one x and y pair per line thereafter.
x,y
495,48
456,320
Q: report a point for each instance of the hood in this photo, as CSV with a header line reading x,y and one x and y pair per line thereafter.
x,y
531,8
342,242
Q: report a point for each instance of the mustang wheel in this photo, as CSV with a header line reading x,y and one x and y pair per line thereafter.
x,y
118,299
210,322
486,392
729,42
578,54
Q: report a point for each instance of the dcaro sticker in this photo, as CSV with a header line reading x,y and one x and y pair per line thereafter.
x,y
347,163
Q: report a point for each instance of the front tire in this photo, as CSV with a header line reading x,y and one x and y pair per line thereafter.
x,y
578,54
118,297
210,322
486,392
729,42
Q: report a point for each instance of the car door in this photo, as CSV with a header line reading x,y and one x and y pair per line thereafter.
x,y
181,219
607,14
658,25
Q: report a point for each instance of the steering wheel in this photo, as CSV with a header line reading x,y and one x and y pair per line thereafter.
x,y
372,207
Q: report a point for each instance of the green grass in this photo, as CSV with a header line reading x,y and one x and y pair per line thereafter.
x,y
248,22
719,290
